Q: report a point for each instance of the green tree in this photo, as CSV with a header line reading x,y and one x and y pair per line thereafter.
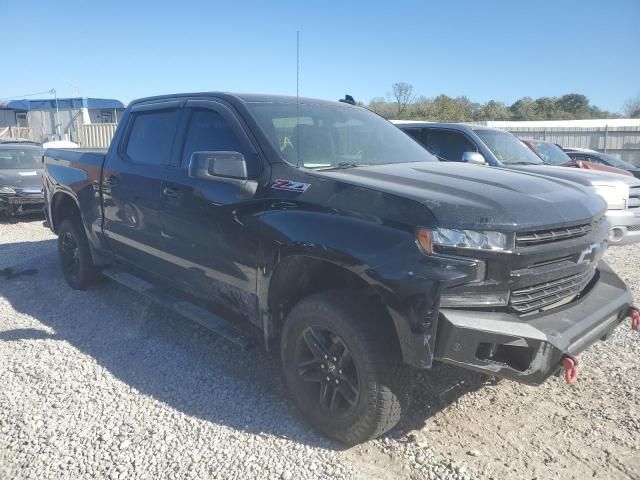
x,y
402,93
445,109
403,105
632,107
423,108
574,104
467,110
493,110
546,108
523,109
381,107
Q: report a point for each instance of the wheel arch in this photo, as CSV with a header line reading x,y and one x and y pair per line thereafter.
x,y
298,276
63,206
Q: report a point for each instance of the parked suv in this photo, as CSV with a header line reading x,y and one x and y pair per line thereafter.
x,y
320,227
459,142
585,154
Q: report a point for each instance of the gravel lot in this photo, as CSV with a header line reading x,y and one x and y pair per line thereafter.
x,y
102,384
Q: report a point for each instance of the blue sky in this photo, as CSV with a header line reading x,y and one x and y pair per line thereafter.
x,y
482,49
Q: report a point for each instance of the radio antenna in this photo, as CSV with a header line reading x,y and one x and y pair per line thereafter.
x,y
298,98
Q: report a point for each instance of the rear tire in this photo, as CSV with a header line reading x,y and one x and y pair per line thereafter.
x,y
75,257
343,366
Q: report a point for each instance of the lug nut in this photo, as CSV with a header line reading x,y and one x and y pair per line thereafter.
x,y
328,379
337,381
340,372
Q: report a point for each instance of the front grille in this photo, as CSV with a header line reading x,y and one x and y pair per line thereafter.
x,y
633,228
634,197
527,239
542,295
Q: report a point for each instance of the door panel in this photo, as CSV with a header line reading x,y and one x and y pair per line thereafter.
x,y
210,227
132,187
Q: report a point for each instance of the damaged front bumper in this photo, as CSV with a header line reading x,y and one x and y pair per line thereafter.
x,y
531,348
21,204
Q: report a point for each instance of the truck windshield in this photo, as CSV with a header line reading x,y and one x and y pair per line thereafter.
x,y
550,153
507,148
17,158
328,136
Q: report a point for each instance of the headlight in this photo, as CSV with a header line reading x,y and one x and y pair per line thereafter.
x,y
616,196
497,299
470,239
8,190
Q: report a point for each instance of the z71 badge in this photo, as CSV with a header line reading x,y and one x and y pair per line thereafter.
x,y
290,186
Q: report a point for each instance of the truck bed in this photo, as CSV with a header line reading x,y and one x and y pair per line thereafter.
x,y
86,156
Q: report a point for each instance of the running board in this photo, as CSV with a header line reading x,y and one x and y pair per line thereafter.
x,y
188,310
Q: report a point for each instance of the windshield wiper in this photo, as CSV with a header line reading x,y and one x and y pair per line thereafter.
x,y
524,163
342,166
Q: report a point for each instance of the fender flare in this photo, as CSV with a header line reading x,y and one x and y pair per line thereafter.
x,y
411,348
56,197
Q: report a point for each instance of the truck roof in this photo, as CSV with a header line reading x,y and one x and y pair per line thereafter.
x,y
451,125
243,98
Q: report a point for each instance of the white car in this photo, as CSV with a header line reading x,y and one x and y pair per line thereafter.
x,y
60,144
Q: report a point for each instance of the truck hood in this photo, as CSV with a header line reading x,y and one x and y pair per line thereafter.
x,y
21,178
481,197
587,178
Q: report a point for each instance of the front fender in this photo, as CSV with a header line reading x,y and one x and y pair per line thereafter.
x,y
384,256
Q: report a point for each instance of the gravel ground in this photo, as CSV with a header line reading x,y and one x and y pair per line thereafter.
x,y
102,384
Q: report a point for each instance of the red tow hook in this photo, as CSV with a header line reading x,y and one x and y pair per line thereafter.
x,y
634,313
570,370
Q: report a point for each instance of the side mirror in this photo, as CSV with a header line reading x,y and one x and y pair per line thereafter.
x,y
473,157
211,165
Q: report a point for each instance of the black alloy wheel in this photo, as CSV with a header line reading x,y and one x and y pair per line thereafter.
x,y
70,256
325,363
76,261
342,365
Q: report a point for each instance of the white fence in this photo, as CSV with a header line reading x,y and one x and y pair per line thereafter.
x,y
618,136
17,132
96,135
621,141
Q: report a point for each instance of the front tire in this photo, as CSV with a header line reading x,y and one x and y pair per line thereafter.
x,y
342,366
75,257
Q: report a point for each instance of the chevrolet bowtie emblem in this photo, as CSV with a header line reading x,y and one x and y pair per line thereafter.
x,y
588,254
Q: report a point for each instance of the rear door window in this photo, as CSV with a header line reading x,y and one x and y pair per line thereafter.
x,y
151,137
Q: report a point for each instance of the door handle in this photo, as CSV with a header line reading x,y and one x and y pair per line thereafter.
x,y
171,192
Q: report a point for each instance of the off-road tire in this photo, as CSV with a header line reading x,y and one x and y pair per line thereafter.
x,y
384,380
75,257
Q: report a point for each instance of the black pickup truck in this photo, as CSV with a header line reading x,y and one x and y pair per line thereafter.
x,y
339,240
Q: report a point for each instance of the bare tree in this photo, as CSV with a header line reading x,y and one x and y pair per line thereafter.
x,y
403,96
632,107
